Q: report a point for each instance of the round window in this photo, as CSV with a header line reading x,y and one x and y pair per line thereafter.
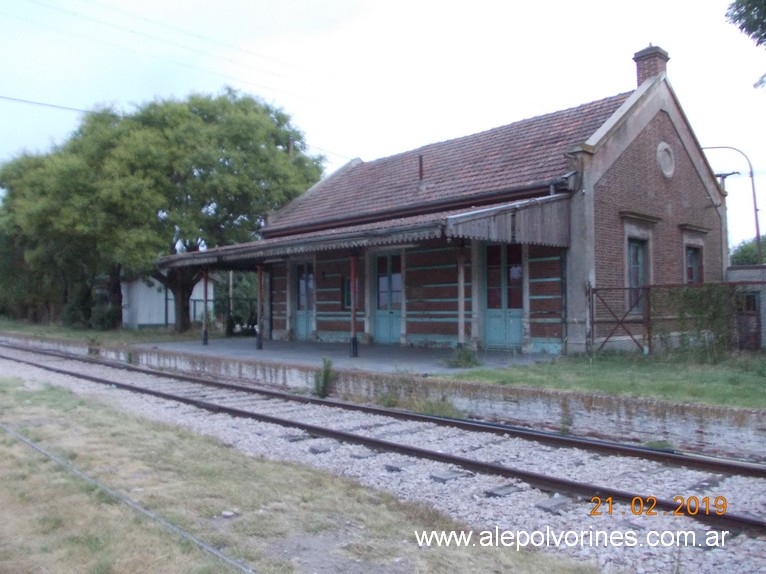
x,y
666,159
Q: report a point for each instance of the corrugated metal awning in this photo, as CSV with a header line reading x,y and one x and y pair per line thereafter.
x,y
388,232
537,221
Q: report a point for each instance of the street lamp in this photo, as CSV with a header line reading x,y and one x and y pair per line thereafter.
x,y
755,202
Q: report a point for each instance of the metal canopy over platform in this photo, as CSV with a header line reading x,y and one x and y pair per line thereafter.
x,y
537,221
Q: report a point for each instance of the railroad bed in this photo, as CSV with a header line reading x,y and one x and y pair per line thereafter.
x,y
725,431
485,500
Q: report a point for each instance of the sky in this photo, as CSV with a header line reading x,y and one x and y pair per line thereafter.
x,y
371,78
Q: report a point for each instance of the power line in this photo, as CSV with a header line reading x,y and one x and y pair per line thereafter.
x,y
151,55
45,105
83,111
154,38
196,35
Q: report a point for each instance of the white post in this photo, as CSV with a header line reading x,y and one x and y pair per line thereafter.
x,y
460,296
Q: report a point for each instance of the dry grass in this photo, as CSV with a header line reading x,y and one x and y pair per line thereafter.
x,y
736,381
289,518
53,522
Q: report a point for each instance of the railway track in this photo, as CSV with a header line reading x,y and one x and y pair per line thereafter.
x,y
519,455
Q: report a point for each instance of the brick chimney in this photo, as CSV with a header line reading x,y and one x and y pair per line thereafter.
x,y
650,62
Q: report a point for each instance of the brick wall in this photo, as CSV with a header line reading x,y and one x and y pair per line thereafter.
x,y
546,291
432,290
636,183
332,271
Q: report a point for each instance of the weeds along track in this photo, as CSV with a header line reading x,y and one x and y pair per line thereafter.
x,y
600,475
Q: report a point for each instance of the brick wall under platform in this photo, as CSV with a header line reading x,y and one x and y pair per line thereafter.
x,y
716,430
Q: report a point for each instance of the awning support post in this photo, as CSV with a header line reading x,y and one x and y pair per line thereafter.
x,y
259,321
460,296
204,310
354,341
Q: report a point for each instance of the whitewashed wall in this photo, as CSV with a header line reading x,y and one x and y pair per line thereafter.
x,y
144,304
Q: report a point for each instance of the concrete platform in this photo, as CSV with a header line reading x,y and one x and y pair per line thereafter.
x,y
372,358
391,373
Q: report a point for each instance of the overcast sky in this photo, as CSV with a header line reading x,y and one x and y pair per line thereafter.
x,y
369,78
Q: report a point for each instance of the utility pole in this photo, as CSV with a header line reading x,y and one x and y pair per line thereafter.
x,y
755,202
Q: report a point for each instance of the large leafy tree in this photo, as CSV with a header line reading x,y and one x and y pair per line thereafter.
x,y
219,165
173,176
30,284
70,228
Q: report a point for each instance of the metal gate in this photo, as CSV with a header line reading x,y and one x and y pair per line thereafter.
x,y
749,321
620,312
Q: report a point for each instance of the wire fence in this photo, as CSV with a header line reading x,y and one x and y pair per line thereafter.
x,y
716,317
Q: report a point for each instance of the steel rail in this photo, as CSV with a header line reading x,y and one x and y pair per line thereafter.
x,y
605,447
540,481
127,501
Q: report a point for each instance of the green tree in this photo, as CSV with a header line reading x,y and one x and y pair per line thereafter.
x,y
72,229
25,291
124,190
242,307
38,220
746,253
219,165
750,17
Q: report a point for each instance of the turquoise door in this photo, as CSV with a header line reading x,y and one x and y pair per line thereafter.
x,y
304,308
388,312
504,299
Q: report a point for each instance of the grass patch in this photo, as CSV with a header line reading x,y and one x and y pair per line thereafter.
x,y
440,408
324,378
659,445
283,512
396,397
737,381
97,337
463,358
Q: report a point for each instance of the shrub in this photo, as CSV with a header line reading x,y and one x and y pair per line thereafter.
x,y
324,378
464,358
105,317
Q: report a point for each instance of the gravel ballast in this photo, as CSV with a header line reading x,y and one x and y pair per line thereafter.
x,y
462,495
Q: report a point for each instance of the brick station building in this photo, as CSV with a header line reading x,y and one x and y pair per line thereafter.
x,y
494,239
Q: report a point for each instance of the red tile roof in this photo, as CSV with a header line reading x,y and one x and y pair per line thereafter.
x,y
521,155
